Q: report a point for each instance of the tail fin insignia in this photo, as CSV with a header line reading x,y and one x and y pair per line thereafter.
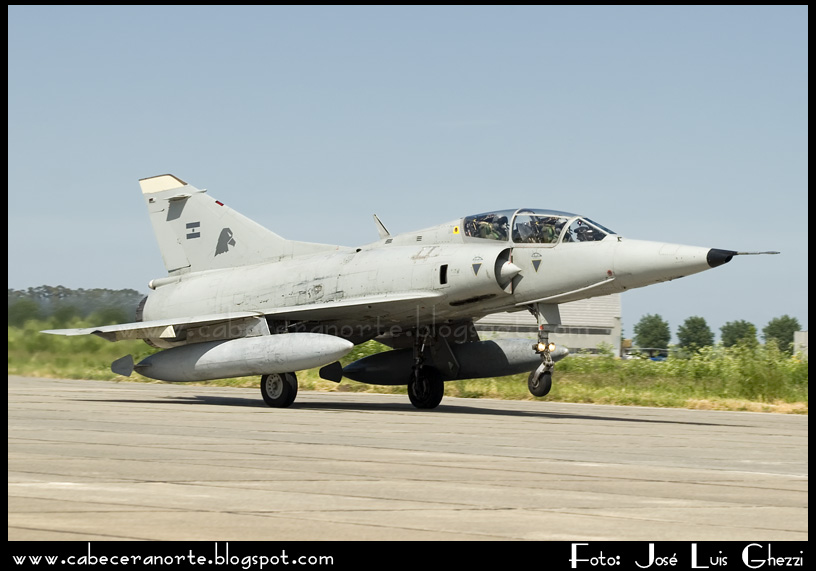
x,y
225,240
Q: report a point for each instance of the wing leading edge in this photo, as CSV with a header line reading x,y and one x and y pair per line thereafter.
x,y
159,328
191,327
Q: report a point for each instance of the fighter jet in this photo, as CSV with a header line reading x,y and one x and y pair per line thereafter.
x,y
240,300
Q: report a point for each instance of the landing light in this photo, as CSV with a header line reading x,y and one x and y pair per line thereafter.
x,y
542,347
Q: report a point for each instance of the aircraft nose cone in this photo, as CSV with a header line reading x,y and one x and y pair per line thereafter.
x,y
717,257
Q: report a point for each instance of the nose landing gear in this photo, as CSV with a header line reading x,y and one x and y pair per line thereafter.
x,y
548,318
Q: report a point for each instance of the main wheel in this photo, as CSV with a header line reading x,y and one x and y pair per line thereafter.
x,y
540,382
279,389
426,389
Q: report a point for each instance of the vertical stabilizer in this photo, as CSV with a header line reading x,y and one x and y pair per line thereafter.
x,y
196,232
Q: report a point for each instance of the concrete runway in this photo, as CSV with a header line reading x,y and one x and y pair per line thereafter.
x,y
90,460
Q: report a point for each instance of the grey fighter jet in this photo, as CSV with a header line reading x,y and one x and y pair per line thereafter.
x,y
240,300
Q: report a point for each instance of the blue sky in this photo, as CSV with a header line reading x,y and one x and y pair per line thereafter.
x,y
678,124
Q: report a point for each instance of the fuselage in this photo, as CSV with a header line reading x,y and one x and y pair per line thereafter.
x,y
449,273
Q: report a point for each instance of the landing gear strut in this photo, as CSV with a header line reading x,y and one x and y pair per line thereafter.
x,y
548,317
425,386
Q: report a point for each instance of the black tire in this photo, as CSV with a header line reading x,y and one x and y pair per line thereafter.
x,y
427,390
279,389
539,383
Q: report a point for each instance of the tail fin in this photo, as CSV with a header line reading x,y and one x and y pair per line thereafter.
x,y
196,232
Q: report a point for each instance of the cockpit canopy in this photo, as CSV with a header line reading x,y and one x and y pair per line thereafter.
x,y
531,226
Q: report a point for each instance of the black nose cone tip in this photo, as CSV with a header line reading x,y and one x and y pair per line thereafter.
x,y
717,257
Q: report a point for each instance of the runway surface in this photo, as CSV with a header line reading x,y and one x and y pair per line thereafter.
x,y
90,460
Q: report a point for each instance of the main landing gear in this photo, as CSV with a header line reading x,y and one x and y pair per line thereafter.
x,y
425,386
279,389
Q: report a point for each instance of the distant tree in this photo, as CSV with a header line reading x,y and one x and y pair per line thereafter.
x,y
109,316
21,311
51,299
780,330
694,334
652,331
735,332
63,314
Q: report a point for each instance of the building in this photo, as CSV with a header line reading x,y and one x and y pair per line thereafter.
x,y
585,325
800,343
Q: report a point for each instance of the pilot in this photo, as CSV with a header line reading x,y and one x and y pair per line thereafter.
x,y
547,233
489,228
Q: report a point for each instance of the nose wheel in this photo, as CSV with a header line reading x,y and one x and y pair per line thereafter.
x,y
540,381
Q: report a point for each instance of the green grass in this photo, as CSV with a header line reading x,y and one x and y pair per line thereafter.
x,y
757,378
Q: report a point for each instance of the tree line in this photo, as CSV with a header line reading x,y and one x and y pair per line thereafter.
x,y
62,304
694,333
